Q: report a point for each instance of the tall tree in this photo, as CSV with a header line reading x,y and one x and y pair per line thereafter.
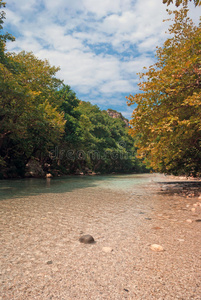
x,y
167,119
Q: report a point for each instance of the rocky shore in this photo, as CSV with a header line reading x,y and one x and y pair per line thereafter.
x,y
44,257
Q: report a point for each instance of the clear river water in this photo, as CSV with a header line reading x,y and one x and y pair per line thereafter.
x,y
42,220
28,187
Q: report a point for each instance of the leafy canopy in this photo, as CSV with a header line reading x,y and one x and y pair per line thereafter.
x,y
167,119
184,2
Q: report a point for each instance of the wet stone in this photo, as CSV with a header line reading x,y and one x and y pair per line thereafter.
x,y
86,239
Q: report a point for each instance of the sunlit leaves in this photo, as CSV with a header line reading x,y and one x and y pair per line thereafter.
x,y
168,113
30,120
184,2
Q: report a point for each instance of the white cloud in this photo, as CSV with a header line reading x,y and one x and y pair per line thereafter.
x,y
121,86
103,7
99,45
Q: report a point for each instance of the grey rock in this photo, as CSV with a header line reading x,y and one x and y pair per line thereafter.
x,y
34,169
86,239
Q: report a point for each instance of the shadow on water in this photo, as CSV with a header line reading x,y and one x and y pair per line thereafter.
x,y
17,188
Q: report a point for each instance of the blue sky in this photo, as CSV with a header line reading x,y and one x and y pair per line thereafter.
x,y
99,45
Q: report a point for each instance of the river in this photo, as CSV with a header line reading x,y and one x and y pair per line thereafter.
x,y
26,187
42,220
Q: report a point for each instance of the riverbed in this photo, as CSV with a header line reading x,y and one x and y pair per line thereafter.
x,y
43,219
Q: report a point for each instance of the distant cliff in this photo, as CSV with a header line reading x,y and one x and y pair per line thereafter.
x,y
117,115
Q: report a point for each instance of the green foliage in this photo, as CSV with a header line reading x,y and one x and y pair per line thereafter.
x,y
3,37
69,104
167,120
29,117
105,141
39,113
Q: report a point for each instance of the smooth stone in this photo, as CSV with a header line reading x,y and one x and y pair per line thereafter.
x,y
189,221
86,239
107,249
49,175
156,247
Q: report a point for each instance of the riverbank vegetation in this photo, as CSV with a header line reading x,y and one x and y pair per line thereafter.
x,y
166,123
44,126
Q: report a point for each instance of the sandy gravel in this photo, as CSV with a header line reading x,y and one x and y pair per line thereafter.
x,y
42,258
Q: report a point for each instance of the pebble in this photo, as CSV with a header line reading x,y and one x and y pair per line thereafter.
x,y
86,239
189,221
107,249
156,247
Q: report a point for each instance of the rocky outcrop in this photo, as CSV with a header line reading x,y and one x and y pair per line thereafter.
x,y
117,115
34,169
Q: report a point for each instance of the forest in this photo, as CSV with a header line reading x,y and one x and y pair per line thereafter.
x,y
43,124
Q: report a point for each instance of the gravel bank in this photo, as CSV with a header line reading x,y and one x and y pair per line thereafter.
x,y
42,258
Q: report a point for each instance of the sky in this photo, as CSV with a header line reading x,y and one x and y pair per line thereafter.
x,y
100,46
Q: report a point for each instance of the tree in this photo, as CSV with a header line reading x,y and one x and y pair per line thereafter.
x,y
184,2
167,120
106,142
29,118
69,105
6,36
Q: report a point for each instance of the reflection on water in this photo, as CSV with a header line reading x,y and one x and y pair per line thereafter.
x,y
27,187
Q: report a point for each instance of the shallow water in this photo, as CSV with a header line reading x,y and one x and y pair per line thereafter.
x,y
41,221
27,187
